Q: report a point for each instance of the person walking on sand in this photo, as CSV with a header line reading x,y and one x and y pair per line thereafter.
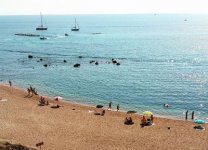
x,y
10,83
186,115
109,105
118,107
192,115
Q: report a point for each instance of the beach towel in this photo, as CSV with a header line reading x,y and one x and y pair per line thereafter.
x,y
3,100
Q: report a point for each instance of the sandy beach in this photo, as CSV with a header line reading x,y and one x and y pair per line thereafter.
x,y
73,127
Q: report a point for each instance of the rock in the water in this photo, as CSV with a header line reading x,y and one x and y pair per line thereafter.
x,y
118,64
114,61
80,56
76,65
65,61
92,61
30,56
66,34
41,59
45,65
96,63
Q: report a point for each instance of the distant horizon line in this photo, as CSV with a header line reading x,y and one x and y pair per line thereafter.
x,y
103,14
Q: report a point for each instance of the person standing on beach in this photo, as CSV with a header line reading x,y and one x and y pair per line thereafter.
x,y
109,105
118,107
186,115
192,115
10,83
151,118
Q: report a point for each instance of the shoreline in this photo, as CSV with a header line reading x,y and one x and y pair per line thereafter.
x,y
93,106
75,126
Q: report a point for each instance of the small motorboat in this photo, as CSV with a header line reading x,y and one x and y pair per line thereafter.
x,y
43,38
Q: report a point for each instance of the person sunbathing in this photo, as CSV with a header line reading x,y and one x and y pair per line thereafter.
x,y
143,121
103,113
128,121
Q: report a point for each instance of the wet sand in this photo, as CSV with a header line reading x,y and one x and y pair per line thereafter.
x,y
72,127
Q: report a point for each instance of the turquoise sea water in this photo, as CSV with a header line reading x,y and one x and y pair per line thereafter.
x,y
164,59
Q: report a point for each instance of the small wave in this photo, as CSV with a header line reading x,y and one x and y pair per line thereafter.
x,y
29,52
60,37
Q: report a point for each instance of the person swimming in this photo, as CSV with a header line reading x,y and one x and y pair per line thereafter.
x,y
166,105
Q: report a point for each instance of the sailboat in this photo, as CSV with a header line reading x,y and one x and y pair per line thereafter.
x,y
41,27
76,27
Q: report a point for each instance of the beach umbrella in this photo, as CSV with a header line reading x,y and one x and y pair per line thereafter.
x,y
131,112
198,121
147,113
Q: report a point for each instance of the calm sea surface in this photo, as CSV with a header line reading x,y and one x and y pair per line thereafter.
x,y
164,59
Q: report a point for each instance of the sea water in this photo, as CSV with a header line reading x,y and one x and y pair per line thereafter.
x,y
163,59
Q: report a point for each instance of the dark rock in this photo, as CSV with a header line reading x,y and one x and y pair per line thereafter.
x,y
96,63
30,56
76,65
66,34
45,65
131,112
114,61
99,106
7,145
41,59
65,61
80,56
117,64
92,61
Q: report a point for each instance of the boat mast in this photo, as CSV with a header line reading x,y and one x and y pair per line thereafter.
x,y
75,23
41,19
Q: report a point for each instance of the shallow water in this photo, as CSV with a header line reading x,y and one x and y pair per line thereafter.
x,y
164,59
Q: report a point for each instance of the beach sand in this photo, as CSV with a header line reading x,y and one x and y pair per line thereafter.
x,y
23,121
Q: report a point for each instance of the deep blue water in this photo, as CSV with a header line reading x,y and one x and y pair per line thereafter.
x,y
164,59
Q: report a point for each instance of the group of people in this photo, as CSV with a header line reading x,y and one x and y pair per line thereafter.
x,y
110,106
43,101
32,91
128,121
192,115
147,121
144,121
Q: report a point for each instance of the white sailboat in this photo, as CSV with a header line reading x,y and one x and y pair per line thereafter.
x,y
76,27
41,27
